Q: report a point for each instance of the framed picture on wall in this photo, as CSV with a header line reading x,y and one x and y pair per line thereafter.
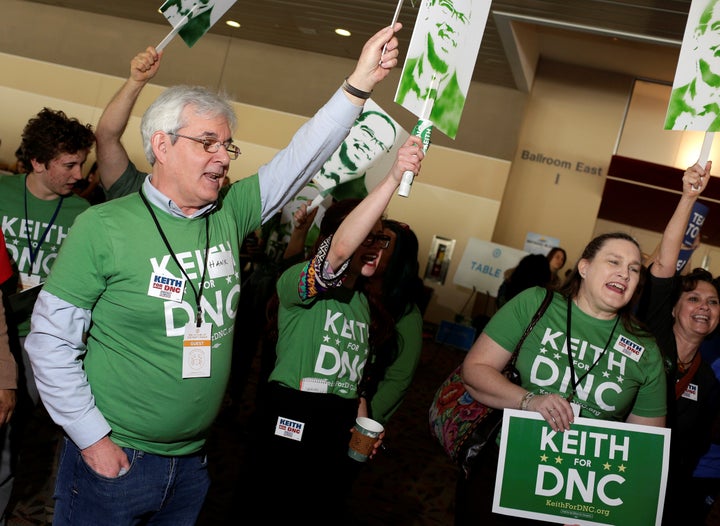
x,y
439,259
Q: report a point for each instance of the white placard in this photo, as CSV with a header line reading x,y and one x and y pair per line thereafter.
x,y
483,265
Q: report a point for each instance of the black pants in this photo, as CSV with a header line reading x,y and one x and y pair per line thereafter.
x,y
474,494
311,476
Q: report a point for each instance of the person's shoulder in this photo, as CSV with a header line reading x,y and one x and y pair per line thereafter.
x,y
533,295
76,201
293,270
412,317
12,180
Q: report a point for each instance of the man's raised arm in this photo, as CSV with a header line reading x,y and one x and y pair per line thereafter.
x,y
112,157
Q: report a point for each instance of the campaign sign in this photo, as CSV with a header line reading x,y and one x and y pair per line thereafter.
x,y
597,473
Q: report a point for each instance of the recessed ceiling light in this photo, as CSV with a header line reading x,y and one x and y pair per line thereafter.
x,y
343,32
232,23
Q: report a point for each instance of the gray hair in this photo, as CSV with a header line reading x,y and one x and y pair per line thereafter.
x,y
166,113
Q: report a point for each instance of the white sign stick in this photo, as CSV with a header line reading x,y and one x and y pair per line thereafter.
x,y
422,129
175,30
392,24
705,150
315,203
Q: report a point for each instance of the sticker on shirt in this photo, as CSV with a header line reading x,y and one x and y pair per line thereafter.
x,y
314,385
197,350
28,281
291,429
691,392
166,287
629,348
220,264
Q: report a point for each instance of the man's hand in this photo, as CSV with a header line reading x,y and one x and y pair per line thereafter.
x,y
145,65
7,405
106,458
374,65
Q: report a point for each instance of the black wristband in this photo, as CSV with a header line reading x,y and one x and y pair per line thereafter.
x,y
352,90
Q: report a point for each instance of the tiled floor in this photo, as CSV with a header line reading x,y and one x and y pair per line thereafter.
x,y
410,484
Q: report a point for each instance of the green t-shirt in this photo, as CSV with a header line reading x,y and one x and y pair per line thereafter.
x,y
628,378
322,341
399,374
135,344
26,218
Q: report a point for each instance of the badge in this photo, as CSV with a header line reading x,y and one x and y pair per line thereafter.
x,y
220,264
166,287
691,392
291,429
629,348
197,350
314,385
28,281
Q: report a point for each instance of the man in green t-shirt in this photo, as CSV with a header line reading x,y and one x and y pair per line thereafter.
x,y
37,210
153,279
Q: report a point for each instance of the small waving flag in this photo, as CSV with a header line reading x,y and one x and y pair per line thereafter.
x,y
192,18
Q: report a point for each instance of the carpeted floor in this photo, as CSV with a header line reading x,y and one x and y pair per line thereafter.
x,y
412,483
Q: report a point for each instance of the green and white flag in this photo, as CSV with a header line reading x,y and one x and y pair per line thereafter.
x,y
695,98
598,473
192,18
444,45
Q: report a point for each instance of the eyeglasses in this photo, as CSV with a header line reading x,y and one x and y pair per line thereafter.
x,y
381,240
213,145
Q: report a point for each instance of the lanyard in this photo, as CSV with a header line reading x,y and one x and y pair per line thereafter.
x,y
575,382
198,292
34,253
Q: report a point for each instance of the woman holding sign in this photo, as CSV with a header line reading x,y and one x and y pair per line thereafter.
x,y
682,311
586,356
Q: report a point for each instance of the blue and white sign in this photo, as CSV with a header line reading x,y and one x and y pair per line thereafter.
x,y
539,244
483,265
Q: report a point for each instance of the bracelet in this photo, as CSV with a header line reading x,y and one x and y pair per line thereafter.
x,y
525,401
352,90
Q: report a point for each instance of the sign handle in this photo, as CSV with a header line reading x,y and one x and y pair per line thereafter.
x,y
175,30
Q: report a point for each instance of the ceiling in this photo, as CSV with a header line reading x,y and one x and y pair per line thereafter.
x,y
636,37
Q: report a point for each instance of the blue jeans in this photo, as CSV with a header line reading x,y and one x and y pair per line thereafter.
x,y
156,490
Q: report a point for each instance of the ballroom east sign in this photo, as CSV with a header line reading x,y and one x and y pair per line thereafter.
x,y
557,163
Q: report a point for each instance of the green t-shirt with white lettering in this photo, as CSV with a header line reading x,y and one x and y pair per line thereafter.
x,y
135,344
322,341
629,376
25,220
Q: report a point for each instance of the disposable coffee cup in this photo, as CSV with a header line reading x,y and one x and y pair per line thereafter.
x,y
364,436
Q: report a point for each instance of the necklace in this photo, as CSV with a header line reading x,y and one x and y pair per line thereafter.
x,y
576,382
683,366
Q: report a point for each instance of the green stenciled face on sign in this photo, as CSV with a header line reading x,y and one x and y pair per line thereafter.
x,y
192,15
372,135
447,24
